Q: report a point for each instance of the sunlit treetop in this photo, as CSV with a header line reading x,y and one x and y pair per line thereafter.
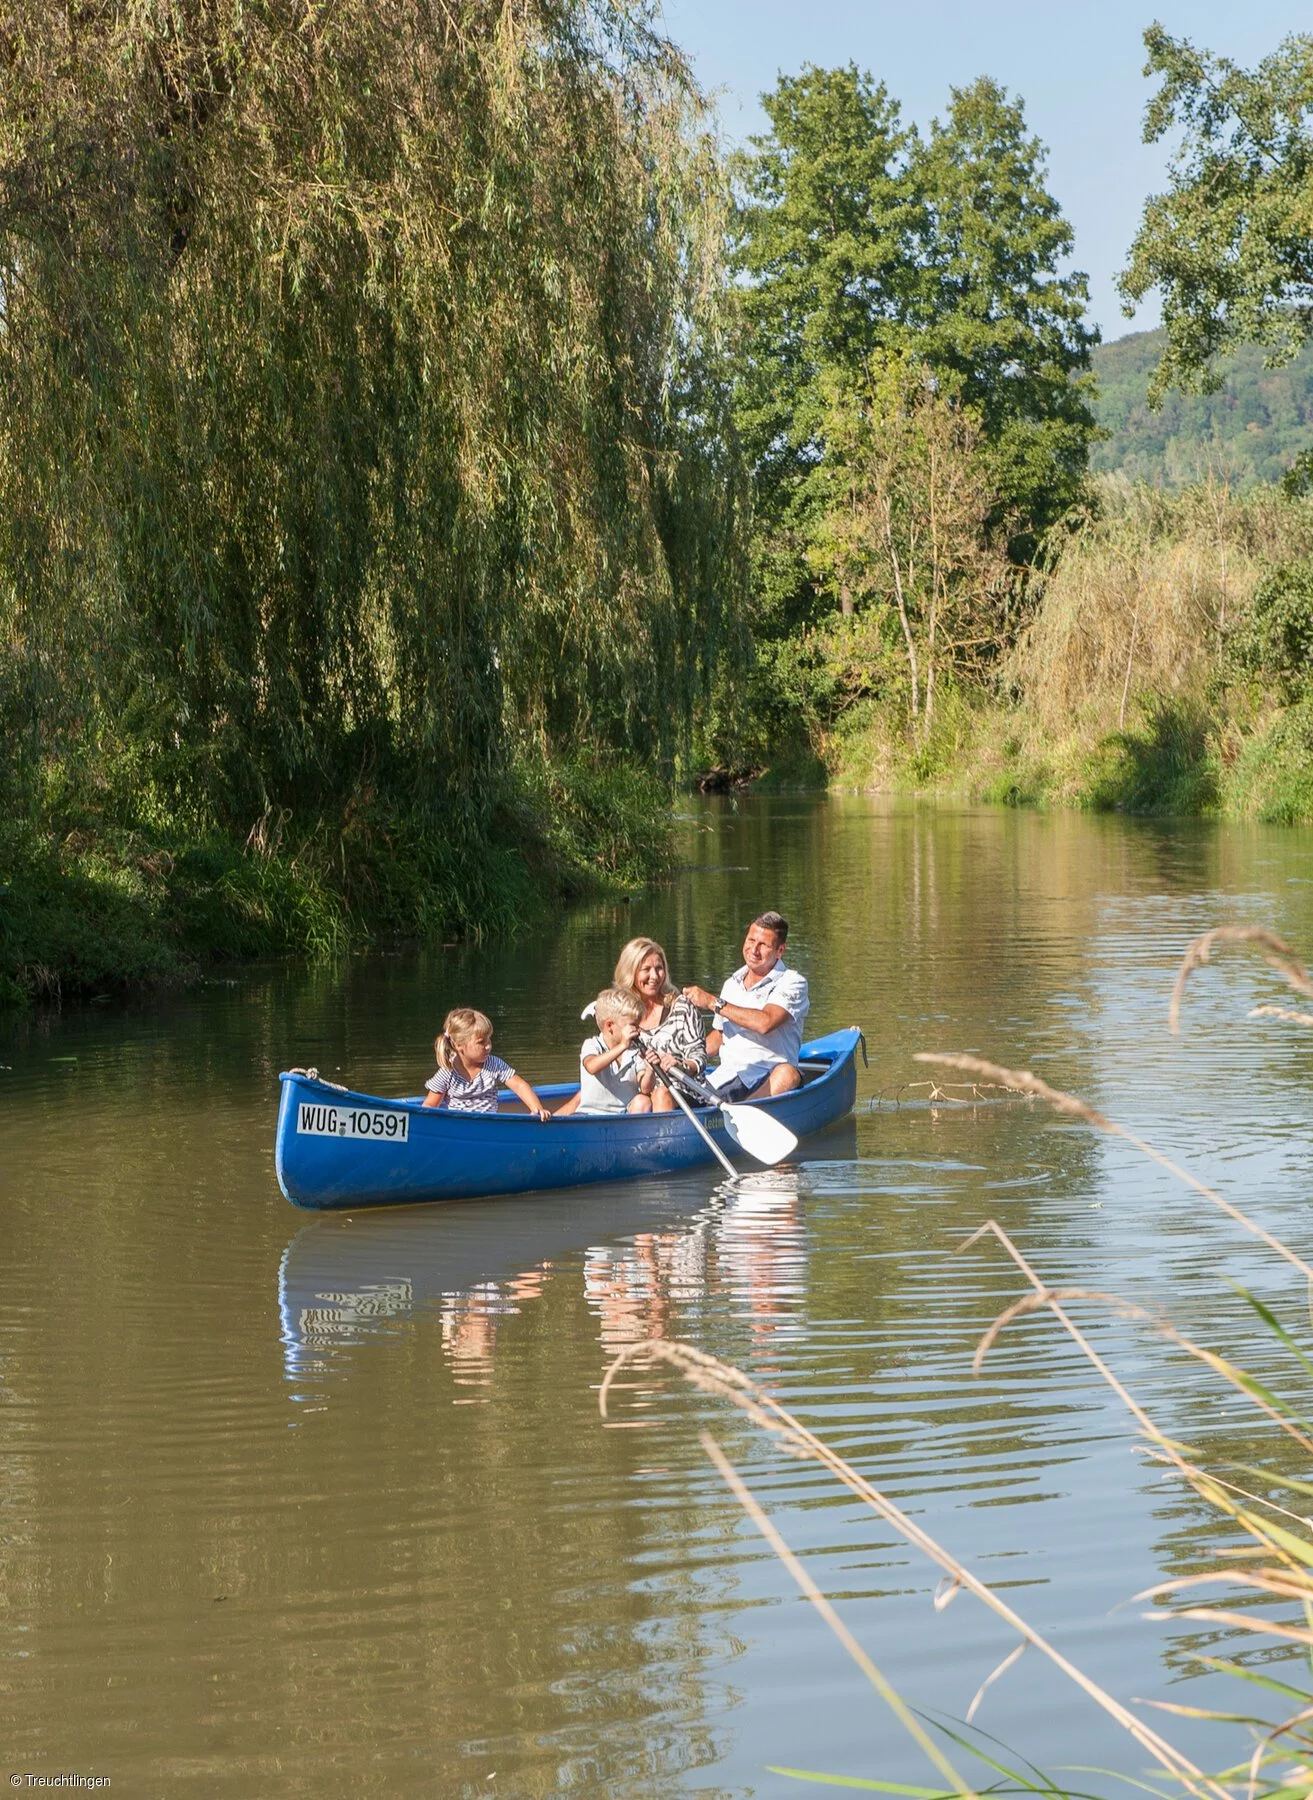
x,y
1230,243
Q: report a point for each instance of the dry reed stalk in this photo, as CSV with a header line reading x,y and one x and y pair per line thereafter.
x,y
1216,1492
1046,1297
1069,1105
1263,1581
938,1093
1280,1012
1233,1487
1013,1656
1255,1761
711,1376
1275,950
1294,1581
895,1702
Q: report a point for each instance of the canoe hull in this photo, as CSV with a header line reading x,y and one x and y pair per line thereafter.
x,y
460,1156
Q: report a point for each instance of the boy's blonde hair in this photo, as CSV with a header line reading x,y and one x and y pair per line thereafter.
x,y
460,1025
617,1003
631,960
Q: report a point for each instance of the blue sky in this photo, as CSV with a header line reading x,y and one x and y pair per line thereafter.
x,y
1078,69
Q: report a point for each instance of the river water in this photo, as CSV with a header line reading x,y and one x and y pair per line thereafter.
x,y
323,1505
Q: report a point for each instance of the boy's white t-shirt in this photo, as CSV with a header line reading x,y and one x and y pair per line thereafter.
x,y
615,1086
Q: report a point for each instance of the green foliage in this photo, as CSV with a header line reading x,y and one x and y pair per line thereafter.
x,y
855,236
824,235
1228,245
1251,430
364,431
905,528
91,911
1167,765
592,822
1002,331
1272,779
1275,640
1164,671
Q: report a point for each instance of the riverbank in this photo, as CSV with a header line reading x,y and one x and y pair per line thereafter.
x,y
1166,667
89,908
1173,755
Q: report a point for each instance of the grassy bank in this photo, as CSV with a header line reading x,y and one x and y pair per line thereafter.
x,y
88,907
1166,669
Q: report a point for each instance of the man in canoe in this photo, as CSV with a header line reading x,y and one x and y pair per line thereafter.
x,y
757,1020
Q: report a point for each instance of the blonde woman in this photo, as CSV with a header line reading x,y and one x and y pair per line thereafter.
x,y
671,1024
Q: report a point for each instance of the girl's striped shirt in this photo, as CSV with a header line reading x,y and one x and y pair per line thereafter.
x,y
476,1093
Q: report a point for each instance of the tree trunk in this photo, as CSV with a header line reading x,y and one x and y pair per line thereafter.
x,y
896,565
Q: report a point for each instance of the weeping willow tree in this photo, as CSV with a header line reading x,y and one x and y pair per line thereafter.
x,y
363,428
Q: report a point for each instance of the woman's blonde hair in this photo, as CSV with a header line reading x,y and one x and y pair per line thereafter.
x,y
460,1025
617,1003
631,960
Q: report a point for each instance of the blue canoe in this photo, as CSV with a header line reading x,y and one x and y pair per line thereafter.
x,y
336,1148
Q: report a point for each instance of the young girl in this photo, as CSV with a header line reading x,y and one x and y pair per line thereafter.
x,y
468,1073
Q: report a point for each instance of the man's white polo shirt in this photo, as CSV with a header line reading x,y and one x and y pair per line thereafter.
x,y
748,1055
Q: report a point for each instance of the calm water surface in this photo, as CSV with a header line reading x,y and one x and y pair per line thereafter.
x,y
300,1505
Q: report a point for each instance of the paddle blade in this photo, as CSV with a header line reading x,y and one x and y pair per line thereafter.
x,y
758,1133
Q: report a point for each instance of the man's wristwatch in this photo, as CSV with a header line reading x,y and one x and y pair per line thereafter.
x,y
718,1009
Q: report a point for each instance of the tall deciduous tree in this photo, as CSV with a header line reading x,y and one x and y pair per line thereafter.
x,y
1001,328
855,236
907,524
361,418
825,240
1230,243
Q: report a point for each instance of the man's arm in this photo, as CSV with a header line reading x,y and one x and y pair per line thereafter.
x,y
750,1018
755,1018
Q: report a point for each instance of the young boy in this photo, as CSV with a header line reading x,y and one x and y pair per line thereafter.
x,y
612,1075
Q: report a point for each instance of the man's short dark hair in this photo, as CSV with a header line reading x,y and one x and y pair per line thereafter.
x,y
772,921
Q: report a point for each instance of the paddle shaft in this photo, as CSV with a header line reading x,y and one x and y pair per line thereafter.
x,y
766,1139
707,1095
697,1125
702,1089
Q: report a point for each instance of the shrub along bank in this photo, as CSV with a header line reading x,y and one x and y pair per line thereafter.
x,y
88,907
1167,668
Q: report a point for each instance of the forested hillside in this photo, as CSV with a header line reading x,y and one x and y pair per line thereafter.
x,y
1249,431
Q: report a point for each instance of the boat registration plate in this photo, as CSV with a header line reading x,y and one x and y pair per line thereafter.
x,y
352,1122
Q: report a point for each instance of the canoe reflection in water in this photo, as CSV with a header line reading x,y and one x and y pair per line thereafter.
x,y
650,1256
